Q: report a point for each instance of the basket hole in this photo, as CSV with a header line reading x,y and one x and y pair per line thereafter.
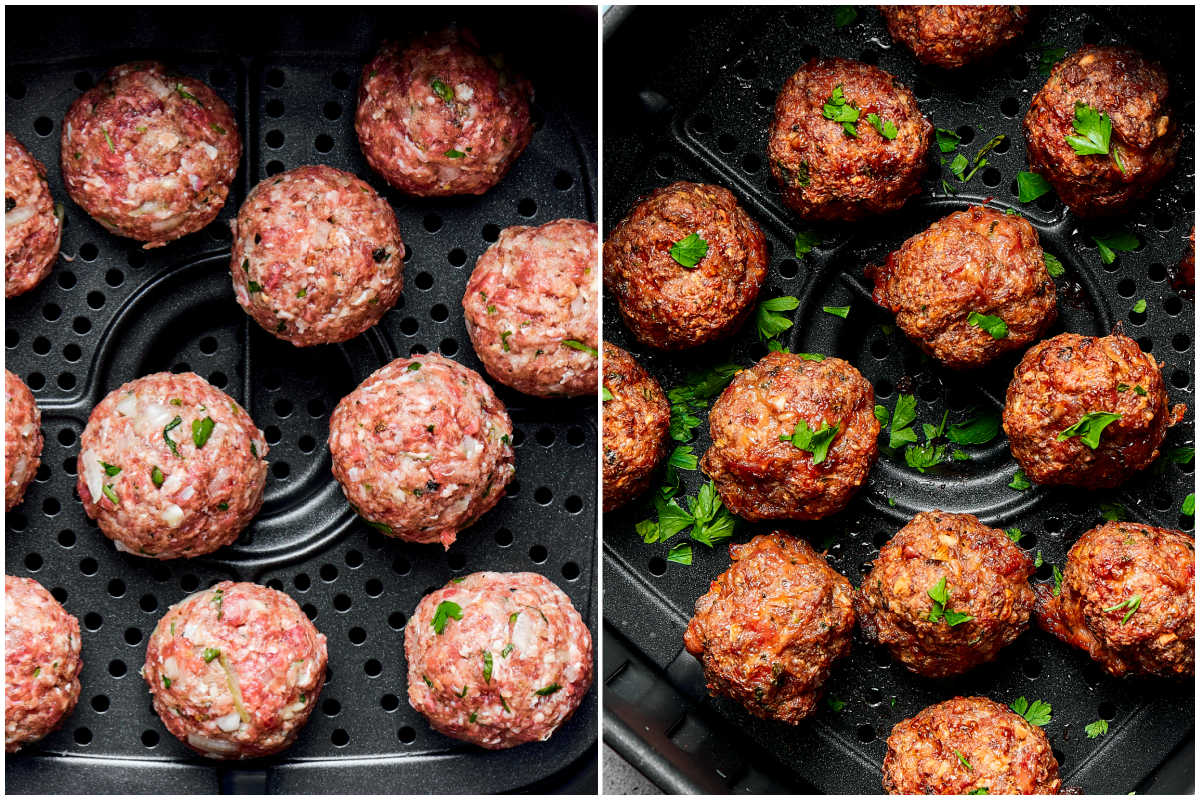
x,y
865,733
150,738
1031,669
991,175
439,313
570,571
306,443
432,223
83,736
1107,711
133,637
339,738
272,434
43,126
701,124
310,611
527,207
518,439
1163,221
1053,525
409,326
373,587
424,282
544,437
148,603
751,163
93,621
274,78
41,476
342,603
17,521
726,143
341,80
1156,273
100,703
513,489
302,582
1009,106
41,345
504,537
1126,287
331,707
574,504
316,408
396,620
116,587
274,139
490,232
189,583
354,559
66,381
874,696
357,635
657,566
401,566
407,735
575,436
563,180
373,668
72,353
284,408
1146,343
88,566
966,134
1172,305
274,168
664,168
329,573
389,702
869,57
456,561
274,108
33,562
66,436
1180,342
51,312
542,496
117,668
538,554
457,257
275,584
331,110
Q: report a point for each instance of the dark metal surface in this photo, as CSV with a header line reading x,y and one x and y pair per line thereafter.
x,y
117,312
700,111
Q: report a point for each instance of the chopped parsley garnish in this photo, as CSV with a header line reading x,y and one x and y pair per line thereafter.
x,y
805,242
1019,481
1109,246
977,430
186,95
1133,603
709,520
838,109
1058,579
1031,186
472,717
605,394
885,127
254,286
1053,265
812,441
1037,560
157,477
844,15
1035,713
413,367
688,251
1014,534
1113,512
201,430
218,600
940,596
108,139
428,682
995,326
1140,306
110,470
837,311
979,790
546,691
1095,730
111,494
223,506
1093,134
770,323
302,293
442,90
1089,428
958,165
452,153
220,131
683,457
1188,509
681,554
504,340
512,618
211,653
835,703
1051,55
963,759
947,140
487,666
166,682
693,396
508,648
445,610
903,416
575,344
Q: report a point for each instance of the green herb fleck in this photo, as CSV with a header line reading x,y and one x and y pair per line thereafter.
x,y
546,691
1140,306
110,470
838,109
201,430
442,90
211,653
1133,603
1109,246
885,128
812,441
1089,428
1031,186
1019,481
837,311
844,15
995,326
681,554
947,140
575,344
1036,713
452,153
1095,730
445,610
111,494
769,322
688,251
487,666
1053,265
805,242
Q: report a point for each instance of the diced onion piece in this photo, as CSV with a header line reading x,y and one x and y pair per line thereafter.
x,y
187,493
18,215
127,406
93,474
230,722
172,515
170,668
216,748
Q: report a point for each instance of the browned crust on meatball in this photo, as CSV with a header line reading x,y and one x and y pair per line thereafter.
x,y
953,36
636,422
1186,275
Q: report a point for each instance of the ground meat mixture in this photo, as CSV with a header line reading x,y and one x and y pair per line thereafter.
x,y
827,172
760,461
1128,598
771,626
953,36
317,256
22,439
532,308
150,153
637,418
1057,391
32,225
1133,93
975,262
497,659
666,303
1185,277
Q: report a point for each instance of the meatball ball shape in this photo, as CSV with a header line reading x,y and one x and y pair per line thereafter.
x,y
637,418
235,670
22,439
1185,274
41,662
975,262
171,467
772,455
497,659
954,36
1131,92
968,744
685,266
317,256
827,172
32,226
980,576
771,626
150,153
422,448
1086,411
1128,599
439,118
533,311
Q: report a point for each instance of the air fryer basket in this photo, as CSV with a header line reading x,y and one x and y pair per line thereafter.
x,y
117,311
701,113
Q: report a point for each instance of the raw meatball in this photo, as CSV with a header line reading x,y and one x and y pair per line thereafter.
x,y
422,448
977,261
150,153
986,579
827,173
22,439
759,471
317,256
1128,600
771,626
1133,93
671,306
1006,754
637,418
171,467
533,311
440,118
32,225
953,36
1059,383
235,670
497,659
41,662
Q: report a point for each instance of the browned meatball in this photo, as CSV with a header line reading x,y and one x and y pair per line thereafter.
x,y
979,261
827,172
985,578
667,304
758,429
1059,387
953,36
1128,599
968,744
771,626
1133,92
637,417
1185,276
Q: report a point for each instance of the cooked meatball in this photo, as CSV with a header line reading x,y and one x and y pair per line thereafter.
x,y
1185,277
759,459
22,439
317,256
979,261
985,578
1128,598
965,745
825,171
532,308
438,117
1133,93
497,659
171,467
637,417
150,153
422,448
41,662
235,670
672,304
953,36
771,626
1059,387
32,228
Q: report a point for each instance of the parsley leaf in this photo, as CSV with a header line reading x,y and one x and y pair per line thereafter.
x,y
843,16
996,326
442,90
963,759
1140,306
713,521
978,430
1113,512
923,456
1089,428
201,430
1051,55
605,394
838,109
1095,730
109,469
1122,241
688,251
1037,561
444,611
770,323
548,690
681,554
692,398
1014,534
1093,131
1058,579
805,242
1188,508
1036,713
903,416
487,668
452,153
1132,603
812,441
835,703
1053,266
1019,481
885,128
947,140
683,457
1031,186
575,344
837,311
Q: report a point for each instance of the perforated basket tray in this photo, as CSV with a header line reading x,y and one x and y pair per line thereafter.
x,y
703,116
117,312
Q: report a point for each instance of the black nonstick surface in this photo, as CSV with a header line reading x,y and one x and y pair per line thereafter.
x,y
699,110
117,312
